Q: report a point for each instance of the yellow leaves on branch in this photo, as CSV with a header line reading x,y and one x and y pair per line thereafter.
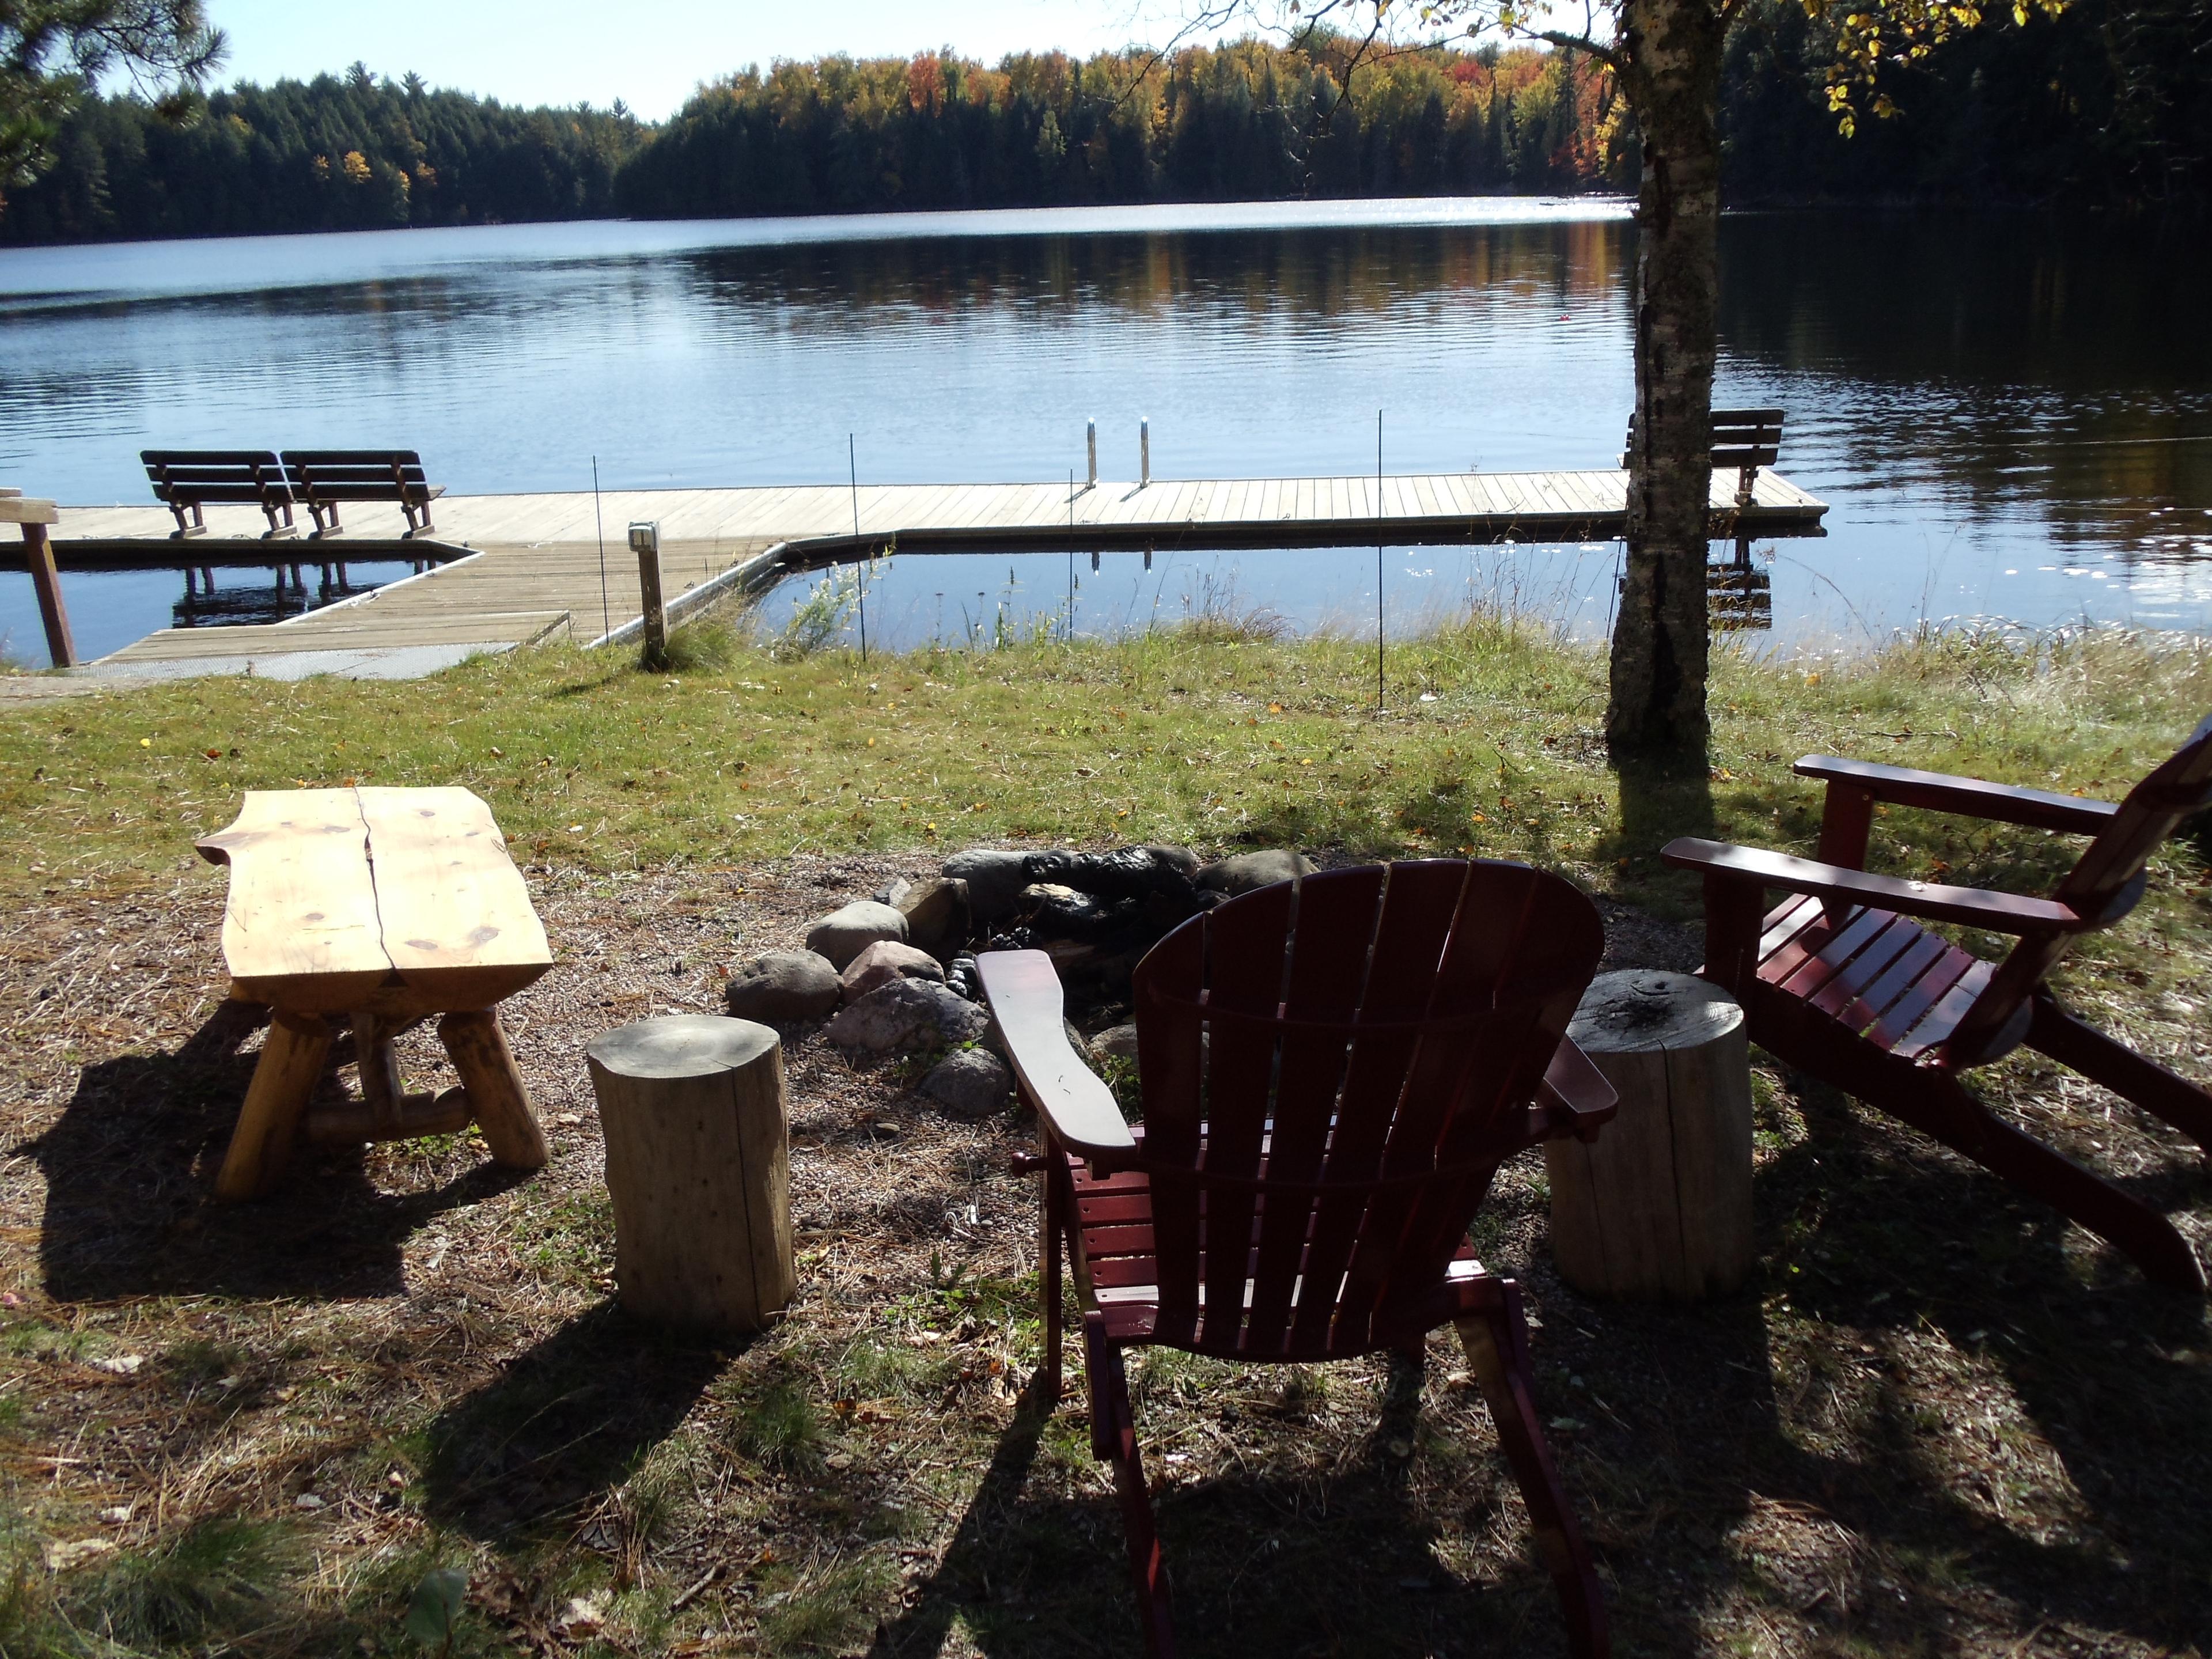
x,y
1870,39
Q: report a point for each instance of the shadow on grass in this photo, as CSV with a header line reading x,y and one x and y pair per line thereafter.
x,y
127,1168
1841,1446
1660,799
565,1422
1265,1559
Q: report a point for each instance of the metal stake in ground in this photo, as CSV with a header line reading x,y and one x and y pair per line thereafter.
x,y
1378,560
606,611
853,461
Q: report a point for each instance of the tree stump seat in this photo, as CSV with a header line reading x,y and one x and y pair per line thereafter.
x,y
386,907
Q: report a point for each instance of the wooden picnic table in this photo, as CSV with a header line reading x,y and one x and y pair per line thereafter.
x,y
386,907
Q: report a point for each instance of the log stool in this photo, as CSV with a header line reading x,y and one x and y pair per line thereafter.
x,y
388,906
1658,1207
699,1168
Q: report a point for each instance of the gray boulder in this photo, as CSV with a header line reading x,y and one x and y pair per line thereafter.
x,y
1248,870
893,892
972,1082
784,985
844,933
884,961
937,913
995,878
1116,1042
904,1015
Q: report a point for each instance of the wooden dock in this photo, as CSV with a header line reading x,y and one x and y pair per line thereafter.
x,y
521,569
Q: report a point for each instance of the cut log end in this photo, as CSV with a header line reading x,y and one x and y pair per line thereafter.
x,y
683,1045
1642,1010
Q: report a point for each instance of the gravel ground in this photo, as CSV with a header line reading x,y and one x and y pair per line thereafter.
x,y
1937,1422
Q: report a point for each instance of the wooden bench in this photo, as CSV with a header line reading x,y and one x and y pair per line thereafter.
x,y
1745,439
386,907
324,478
184,480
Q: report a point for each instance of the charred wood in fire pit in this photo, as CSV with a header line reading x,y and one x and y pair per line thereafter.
x,y
1129,872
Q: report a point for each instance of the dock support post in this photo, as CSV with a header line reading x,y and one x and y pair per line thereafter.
x,y
38,554
1090,442
645,541
1143,452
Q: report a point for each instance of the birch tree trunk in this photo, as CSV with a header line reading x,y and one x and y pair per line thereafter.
x,y
1670,54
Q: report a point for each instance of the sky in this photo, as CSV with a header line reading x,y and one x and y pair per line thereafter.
x,y
649,53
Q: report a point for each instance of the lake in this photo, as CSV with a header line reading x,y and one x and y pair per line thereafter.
x,y
2011,419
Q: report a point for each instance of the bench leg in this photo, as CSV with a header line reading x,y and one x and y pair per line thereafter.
x,y
497,1099
382,1089
290,1065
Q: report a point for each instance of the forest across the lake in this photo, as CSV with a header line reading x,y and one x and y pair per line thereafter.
x,y
2104,105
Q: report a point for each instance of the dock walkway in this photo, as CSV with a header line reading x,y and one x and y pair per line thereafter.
x,y
526,568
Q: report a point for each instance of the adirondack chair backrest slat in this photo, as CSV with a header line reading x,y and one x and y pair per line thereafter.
x,y
2105,882
1370,1039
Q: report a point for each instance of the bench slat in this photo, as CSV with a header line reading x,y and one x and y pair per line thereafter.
x,y
300,927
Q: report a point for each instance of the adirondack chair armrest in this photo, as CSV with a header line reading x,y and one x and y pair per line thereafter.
x,y
1024,997
1941,792
1971,907
1573,1099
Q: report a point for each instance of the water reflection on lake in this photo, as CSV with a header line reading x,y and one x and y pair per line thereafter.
x,y
2008,418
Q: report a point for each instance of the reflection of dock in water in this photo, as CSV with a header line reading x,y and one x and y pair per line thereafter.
x,y
1739,599
294,589
515,570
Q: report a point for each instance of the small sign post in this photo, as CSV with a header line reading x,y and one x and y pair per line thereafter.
x,y
645,541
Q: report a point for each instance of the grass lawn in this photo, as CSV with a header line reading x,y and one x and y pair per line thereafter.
x,y
1937,1421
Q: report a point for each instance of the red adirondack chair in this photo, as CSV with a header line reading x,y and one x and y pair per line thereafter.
x,y
1333,1070
1839,980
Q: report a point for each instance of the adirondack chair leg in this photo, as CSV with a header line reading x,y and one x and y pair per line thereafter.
x,y
291,1064
1114,1440
498,1099
1936,1102
2131,1076
1497,1343
1051,1242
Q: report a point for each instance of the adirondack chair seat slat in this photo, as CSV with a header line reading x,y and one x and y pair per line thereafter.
x,y
1333,1070
1844,979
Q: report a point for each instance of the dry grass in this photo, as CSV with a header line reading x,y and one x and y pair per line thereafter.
x,y
1938,1421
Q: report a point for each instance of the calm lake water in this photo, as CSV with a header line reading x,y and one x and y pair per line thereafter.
x,y
2010,420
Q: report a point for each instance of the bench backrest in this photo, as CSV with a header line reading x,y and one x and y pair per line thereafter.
x,y
1742,437
186,476
358,475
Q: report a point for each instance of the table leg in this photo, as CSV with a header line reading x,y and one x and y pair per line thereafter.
x,y
382,1089
290,1066
497,1099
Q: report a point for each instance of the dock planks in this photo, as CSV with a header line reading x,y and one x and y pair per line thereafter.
x,y
531,557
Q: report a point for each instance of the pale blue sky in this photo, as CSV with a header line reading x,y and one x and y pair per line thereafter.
x,y
650,53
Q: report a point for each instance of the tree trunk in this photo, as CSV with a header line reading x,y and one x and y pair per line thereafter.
x,y
1671,67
